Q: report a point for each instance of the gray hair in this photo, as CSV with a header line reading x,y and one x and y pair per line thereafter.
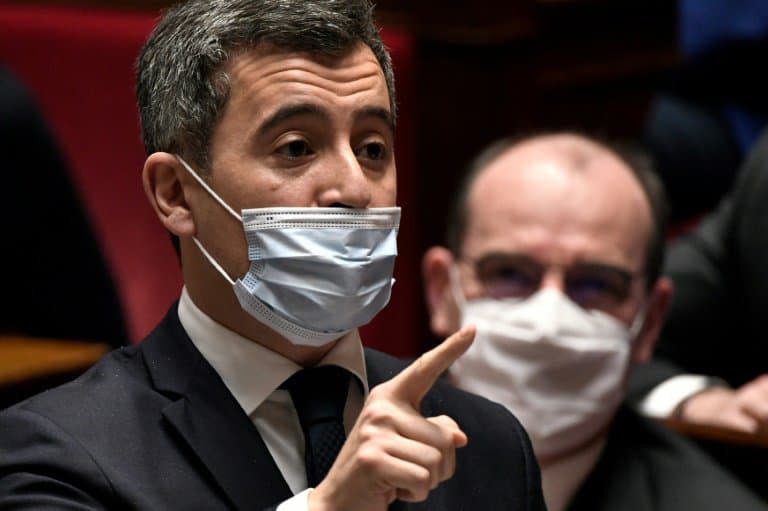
x,y
181,85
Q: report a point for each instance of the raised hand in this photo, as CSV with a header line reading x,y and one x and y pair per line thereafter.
x,y
392,451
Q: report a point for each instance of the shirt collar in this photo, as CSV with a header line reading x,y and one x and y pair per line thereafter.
x,y
250,371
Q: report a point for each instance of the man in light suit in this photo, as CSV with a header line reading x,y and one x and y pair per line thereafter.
x,y
269,130
554,254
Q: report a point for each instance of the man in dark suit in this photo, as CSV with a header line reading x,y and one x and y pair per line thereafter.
x,y
554,255
710,365
269,130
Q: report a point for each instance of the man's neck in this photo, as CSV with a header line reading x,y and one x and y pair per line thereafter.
x,y
562,476
226,311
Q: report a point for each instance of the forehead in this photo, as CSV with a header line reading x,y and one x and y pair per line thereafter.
x,y
559,206
262,72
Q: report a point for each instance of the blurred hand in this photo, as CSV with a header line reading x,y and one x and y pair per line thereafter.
x,y
744,409
392,451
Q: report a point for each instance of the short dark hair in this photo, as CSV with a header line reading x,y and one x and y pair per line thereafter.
x,y
632,155
181,86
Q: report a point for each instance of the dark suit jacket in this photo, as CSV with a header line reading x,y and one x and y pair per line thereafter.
x,y
645,467
153,427
718,319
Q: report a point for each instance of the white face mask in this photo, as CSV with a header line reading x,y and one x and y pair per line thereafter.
x,y
315,273
559,368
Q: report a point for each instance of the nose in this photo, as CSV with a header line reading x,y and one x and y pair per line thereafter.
x,y
553,278
346,183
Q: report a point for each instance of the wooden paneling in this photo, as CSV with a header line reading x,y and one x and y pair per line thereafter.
x,y
23,359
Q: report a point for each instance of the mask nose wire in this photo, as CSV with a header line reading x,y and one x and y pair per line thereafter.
x,y
218,199
208,189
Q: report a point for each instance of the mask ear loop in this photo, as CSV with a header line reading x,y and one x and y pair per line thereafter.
x,y
212,261
638,322
208,188
456,291
218,199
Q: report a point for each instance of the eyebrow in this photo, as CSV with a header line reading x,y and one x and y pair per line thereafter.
x,y
526,259
291,111
378,113
308,109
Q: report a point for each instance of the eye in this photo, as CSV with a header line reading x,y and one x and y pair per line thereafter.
x,y
597,291
375,151
295,149
508,281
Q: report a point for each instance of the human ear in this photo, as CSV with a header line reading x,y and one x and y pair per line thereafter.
x,y
163,186
655,313
436,273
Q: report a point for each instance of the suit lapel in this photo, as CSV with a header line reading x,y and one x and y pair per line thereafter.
x,y
211,423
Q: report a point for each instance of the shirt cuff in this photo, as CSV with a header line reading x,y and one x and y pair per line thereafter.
x,y
662,401
299,502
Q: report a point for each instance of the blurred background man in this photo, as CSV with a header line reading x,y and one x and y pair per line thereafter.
x,y
710,366
555,250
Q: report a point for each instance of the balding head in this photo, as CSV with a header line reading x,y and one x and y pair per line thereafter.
x,y
605,171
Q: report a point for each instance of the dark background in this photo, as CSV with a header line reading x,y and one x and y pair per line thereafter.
x,y
489,68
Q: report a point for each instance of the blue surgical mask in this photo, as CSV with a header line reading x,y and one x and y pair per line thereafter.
x,y
315,273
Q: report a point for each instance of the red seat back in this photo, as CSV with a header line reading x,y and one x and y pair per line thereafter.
x,y
78,64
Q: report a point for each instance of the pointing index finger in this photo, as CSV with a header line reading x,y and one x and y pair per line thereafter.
x,y
415,380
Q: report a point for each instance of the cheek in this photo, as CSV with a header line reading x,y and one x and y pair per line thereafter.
x,y
384,191
472,291
263,188
625,313
629,312
224,238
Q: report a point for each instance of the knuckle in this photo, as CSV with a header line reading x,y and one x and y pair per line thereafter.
x,y
376,392
446,441
445,428
434,458
368,457
423,480
749,395
376,411
447,421
368,433
420,494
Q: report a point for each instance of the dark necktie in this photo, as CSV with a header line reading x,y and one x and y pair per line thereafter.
x,y
319,395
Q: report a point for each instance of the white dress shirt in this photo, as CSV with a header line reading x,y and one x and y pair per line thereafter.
x,y
664,398
253,373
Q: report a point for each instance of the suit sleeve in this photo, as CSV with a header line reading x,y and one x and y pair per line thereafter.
x,y
43,468
719,287
500,445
